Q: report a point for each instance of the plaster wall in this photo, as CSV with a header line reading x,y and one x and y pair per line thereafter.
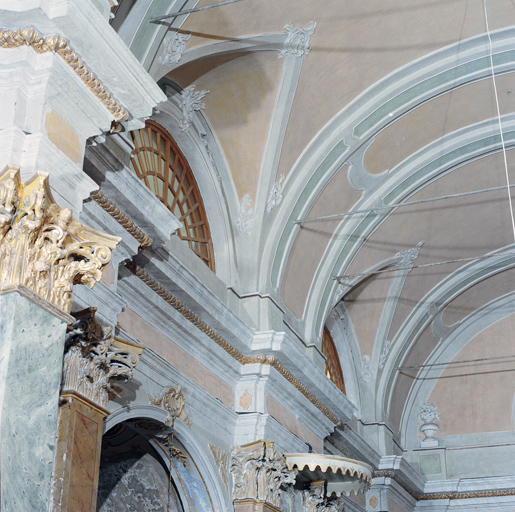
x,y
447,113
312,240
482,392
240,103
352,37
478,295
177,357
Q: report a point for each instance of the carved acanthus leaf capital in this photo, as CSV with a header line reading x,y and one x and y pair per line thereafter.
x,y
94,359
42,246
259,473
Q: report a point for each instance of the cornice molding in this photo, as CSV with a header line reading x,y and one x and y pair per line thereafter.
x,y
28,36
225,345
443,495
122,219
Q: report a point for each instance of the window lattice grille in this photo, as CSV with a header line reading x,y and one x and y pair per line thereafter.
x,y
158,162
333,370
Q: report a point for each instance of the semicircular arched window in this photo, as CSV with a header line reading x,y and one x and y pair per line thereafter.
x,y
333,370
160,164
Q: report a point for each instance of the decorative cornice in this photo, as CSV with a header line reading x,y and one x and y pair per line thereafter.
x,y
29,36
120,217
224,344
443,495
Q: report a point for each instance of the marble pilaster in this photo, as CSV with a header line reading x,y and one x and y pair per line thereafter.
x,y
93,360
77,460
32,336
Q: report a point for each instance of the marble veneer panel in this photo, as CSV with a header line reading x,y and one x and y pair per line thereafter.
x,y
78,456
31,355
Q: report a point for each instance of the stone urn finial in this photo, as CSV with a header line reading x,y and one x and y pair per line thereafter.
x,y
428,413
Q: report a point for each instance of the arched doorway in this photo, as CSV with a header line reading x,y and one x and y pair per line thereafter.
x,y
134,475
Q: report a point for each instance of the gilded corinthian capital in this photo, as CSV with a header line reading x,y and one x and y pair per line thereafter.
x,y
42,246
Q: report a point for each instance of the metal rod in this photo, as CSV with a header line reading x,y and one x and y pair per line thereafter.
x,y
188,11
408,203
454,362
347,277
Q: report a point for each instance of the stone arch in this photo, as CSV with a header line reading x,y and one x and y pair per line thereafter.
x,y
202,460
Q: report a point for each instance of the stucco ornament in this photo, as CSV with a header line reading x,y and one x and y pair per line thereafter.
x,y
172,400
190,102
338,294
428,413
221,459
315,499
276,195
173,48
94,360
367,371
297,42
259,473
406,258
246,217
384,353
43,247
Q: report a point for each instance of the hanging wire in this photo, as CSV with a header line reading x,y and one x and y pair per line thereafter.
x,y
499,118
406,203
189,11
347,277
480,360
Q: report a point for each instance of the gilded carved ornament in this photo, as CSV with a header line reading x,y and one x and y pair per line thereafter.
x,y
94,360
260,473
172,401
42,246
29,36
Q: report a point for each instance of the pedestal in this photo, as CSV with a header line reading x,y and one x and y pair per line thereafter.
x,y
77,461
32,336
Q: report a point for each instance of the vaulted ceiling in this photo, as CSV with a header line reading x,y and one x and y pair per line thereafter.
x,y
380,103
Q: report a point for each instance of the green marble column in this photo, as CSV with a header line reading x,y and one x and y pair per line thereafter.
x,y
32,336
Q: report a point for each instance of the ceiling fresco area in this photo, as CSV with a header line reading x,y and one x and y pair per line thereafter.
x,y
373,106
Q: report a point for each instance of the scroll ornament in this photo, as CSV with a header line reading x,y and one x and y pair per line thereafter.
x,y
42,246
259,473
94,359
